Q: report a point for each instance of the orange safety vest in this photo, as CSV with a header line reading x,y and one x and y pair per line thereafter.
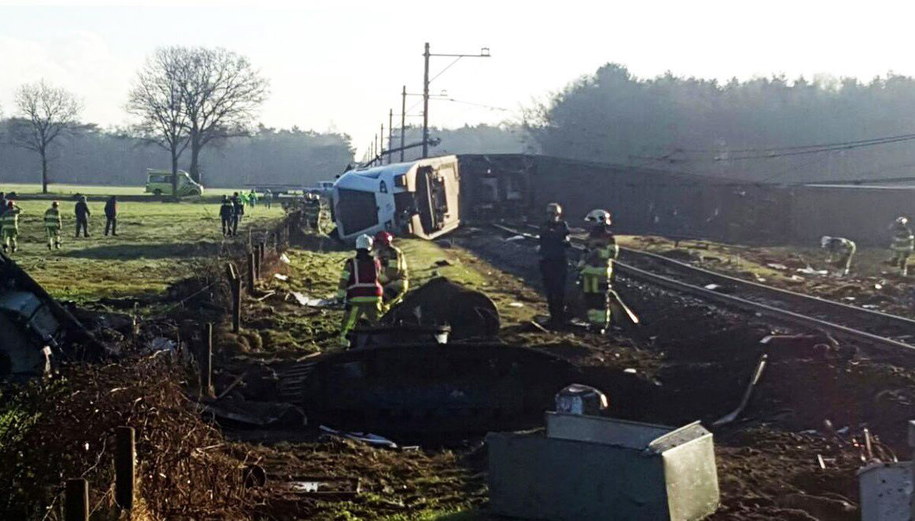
x,y
363,279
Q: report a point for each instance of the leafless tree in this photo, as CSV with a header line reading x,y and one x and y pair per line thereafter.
x,y
46,113
221,91
156,98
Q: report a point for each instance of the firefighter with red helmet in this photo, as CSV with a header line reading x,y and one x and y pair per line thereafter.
x,y
360,288
394,277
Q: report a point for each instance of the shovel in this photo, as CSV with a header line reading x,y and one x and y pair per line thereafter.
x,y
632,316
728,418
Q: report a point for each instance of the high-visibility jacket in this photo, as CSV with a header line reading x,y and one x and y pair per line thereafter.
x,y
602,240
596,272
903,240
52,219
393,264
10,219
360,279
312,208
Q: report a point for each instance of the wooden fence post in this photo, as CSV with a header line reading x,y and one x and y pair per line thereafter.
x,y
206,361
76,500
235,287
125,461
255,254
251,274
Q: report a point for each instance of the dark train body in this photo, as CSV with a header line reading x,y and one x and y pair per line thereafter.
x,y
656,202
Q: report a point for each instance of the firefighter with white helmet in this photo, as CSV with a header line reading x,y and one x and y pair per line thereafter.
x,y
596,269
839,252
360,288
554,242
903,244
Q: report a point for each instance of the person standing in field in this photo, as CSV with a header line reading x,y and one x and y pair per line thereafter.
x,y
268,196
239,207
82,216
53,225
226,215
10,226
111,215
252,198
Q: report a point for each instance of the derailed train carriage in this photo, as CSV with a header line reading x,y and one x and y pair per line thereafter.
x,y
430,197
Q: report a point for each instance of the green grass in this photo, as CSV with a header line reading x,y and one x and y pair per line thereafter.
x,y
67,189
158,244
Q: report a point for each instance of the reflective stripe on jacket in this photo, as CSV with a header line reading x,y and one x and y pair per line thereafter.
x,y
52,218
393,264
362,279
10,219
903,241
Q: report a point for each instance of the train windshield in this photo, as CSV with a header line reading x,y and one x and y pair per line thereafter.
x,y
356,210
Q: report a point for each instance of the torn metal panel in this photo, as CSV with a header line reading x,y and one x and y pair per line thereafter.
x,y
34,326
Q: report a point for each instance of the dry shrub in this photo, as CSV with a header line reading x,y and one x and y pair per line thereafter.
x,y
63,427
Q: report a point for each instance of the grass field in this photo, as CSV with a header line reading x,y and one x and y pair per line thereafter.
x,y
65,189
157,244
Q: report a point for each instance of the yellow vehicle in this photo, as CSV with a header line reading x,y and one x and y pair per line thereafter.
x,y
160,182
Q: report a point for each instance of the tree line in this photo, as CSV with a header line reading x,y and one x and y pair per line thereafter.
x,y
761,130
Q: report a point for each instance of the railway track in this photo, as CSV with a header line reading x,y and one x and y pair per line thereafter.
x,y
876,329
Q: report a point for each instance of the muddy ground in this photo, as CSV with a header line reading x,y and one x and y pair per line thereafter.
x,y
792,454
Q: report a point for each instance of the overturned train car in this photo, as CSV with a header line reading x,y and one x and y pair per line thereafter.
x,y
431,197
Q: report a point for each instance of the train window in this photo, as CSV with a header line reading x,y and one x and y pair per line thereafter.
x,y
383,187
400,181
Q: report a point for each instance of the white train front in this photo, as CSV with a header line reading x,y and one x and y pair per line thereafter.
x,y
421,198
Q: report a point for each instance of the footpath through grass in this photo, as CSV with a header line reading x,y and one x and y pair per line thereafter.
x,y
157,244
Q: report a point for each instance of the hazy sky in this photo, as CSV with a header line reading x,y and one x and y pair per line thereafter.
x,y
340,64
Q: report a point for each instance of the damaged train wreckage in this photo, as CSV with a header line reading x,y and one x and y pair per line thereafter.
x,y
35,329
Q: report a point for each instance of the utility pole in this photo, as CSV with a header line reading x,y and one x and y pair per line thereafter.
x,y
484,53
426,102
381,148
375,150
403,120
390,134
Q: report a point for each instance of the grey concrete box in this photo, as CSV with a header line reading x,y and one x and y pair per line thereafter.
x,y
600,469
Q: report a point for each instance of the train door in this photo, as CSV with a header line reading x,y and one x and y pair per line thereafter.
x,y
431,199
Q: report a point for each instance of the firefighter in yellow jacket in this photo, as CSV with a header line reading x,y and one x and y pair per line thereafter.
x,y
9,226
596,269
902,246
394,278
53,225
360,288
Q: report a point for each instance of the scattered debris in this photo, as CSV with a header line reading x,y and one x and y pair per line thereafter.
x,y
161,344
305,300
257,414
515,305
777,266
280,276
284,259
364,437
810,271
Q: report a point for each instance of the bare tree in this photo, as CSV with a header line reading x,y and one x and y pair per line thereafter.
x,y
156,98
221,92
46,113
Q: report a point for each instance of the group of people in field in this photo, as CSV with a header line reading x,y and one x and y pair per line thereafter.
x,y
232,209
52,221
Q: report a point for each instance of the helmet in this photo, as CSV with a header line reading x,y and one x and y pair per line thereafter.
x,y
598,216
384,238
55,204
364,242
824,241
902,220
554,209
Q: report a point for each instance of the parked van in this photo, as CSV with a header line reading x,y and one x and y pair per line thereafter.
x,y
159,182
